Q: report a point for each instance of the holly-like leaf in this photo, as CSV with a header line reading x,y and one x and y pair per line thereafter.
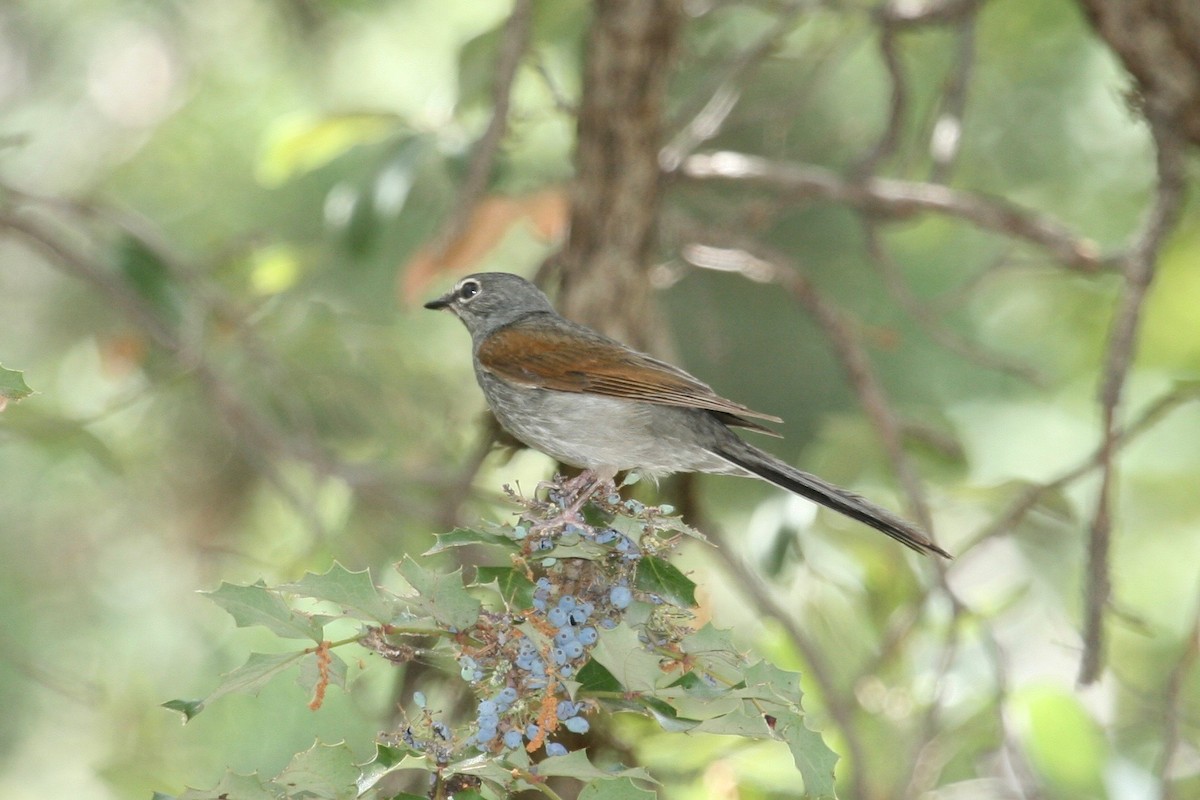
x,y
713,653
189,708
259,670
388,760
442,596
813,757
353,591
619,789
235,787
12,387
310,672
576,765
249,678
324,771
664,579
620,652
461,537
514,587
258,605
594,677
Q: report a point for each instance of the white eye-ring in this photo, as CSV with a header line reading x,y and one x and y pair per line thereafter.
x,y
468,290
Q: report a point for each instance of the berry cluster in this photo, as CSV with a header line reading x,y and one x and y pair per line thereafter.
x,y
522,662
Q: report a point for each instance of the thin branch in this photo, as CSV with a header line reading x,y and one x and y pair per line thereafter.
x,y
1138,268
1172,701
757,263
256,435
706,118
945,141
820,672
899,291
1032,495
899,198
514,43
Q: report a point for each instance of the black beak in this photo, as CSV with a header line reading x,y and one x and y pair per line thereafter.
x,y
440,303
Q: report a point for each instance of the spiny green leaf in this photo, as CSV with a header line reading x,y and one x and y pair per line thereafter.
x,y
256,673
594,677
189,708
620,652
310,673
235,787
12,386
258,605
442,596
664,579
514,587
354,591
619,789
324,771
461,537
813,757
576,765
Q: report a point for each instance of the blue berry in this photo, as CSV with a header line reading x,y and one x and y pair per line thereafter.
x,y
576,725
566,709
555,749
531,731
560,656
567,671
588,635
539,604
605,536
419,699
567,602
486,708
573,649
564,637
587,608
507,695
620,596
557,617
577,617
608,624
512,739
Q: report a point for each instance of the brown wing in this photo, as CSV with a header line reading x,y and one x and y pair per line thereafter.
x,y
577,360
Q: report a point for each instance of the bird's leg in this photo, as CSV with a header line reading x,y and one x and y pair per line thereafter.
x,y
575,494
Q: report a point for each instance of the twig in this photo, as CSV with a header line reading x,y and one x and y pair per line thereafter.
x,y
1032,495
945,141
1171,703
514,43
705,118
840,709
1138,268
941,335
899,198
757,263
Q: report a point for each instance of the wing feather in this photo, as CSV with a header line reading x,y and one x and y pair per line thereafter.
x,y
575,359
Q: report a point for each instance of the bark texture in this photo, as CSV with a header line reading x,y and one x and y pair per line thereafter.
x,y
1158,41
617,192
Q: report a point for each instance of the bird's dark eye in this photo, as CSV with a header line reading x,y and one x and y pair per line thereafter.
x,y
468,290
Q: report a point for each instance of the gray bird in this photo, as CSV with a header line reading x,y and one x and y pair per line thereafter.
x,y
591,402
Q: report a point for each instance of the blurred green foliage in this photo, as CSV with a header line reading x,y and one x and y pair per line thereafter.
x,y
256,174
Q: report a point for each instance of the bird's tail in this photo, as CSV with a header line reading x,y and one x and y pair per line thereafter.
x,y
772,470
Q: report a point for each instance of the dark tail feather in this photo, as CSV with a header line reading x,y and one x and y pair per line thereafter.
x,y
845,502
